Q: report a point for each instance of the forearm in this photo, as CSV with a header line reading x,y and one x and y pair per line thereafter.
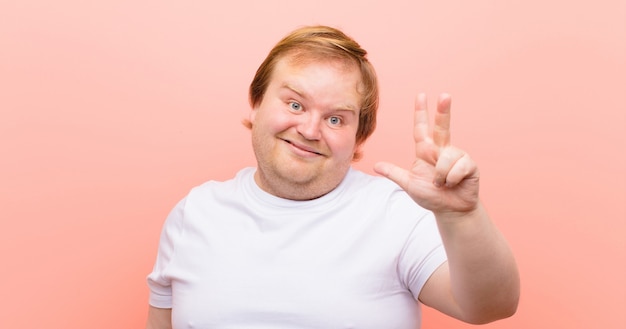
x,y
484,278
159,318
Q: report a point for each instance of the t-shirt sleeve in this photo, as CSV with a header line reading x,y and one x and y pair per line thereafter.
x,y
422,254
158,280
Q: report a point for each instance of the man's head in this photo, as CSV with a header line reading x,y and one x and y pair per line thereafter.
x,y
323,44
314,102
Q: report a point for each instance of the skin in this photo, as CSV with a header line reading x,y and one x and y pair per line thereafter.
x,y
304,129
480,281
303,154
159,318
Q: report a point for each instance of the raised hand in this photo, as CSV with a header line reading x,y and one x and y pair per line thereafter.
x,y
443,178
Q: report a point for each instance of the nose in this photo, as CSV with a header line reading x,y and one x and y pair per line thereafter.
x,y
309,126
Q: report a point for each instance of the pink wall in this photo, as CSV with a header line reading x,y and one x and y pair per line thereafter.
x,y
111,111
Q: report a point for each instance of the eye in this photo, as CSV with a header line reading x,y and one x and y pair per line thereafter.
x,y
295,106
334,121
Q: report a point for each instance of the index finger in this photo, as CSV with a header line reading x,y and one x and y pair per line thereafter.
x,y
420,119
441,129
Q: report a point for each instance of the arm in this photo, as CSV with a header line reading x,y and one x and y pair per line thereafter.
x,y
159,318
480,281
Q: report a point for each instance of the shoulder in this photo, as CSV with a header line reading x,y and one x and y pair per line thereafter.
x,y
357,179
369,186
225,187
380,197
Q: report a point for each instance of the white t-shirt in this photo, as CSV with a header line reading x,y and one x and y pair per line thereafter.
x,y
234,256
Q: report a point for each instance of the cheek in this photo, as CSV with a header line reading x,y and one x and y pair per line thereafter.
x,y
344,144
252,115
272,121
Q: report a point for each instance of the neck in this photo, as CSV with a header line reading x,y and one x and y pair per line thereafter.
x,y
298,191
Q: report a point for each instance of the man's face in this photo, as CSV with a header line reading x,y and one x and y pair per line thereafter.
x,y
304,129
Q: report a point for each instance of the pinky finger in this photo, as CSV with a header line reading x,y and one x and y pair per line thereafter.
x,y
448,157
462,169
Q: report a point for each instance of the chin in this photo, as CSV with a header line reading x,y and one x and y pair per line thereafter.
x,y
298,175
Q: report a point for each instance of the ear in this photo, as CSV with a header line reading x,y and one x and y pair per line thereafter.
x,y
358,153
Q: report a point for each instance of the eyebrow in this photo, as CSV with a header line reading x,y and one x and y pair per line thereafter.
x,y
341,107
286,85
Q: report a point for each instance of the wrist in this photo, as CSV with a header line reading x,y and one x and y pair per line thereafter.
x,y
455,216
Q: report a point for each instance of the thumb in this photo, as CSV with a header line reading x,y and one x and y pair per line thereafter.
x,y
396,174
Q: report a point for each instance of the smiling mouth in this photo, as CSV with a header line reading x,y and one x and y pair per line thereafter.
x,y
305,149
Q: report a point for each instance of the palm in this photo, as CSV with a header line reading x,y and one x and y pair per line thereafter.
x,y
442,178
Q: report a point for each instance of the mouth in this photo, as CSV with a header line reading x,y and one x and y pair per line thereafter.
x,y
302,147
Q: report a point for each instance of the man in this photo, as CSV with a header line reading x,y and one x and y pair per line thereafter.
x,y
305,241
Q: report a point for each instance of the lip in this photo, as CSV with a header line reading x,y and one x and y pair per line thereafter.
x,y
302,147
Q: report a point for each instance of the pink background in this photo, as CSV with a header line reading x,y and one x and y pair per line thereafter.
x,y
112,110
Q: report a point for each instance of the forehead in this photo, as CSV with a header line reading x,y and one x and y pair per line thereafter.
x,y
305,66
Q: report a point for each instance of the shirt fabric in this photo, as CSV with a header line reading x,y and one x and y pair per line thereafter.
x,y
234,256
